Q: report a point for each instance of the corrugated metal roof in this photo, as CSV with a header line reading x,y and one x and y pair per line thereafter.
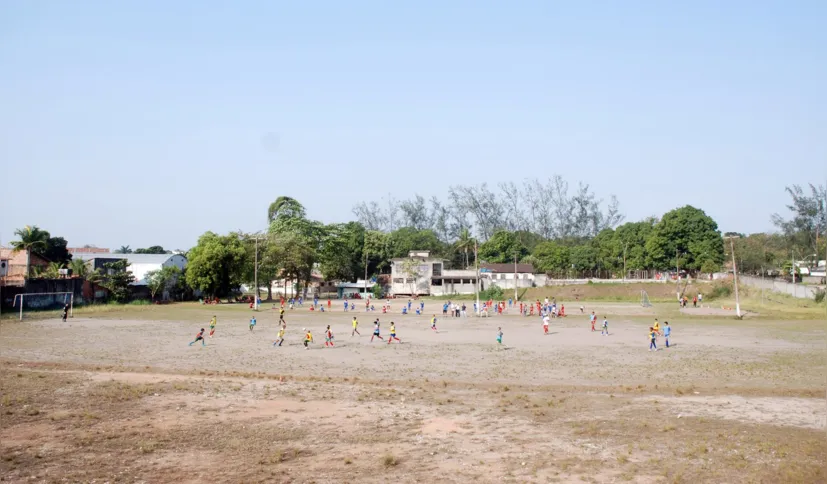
x,y
132,258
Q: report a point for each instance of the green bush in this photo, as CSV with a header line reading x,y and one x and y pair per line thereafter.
x,y
720,290
494,293
819,295
377,291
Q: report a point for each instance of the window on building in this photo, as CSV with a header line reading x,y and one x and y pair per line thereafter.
x,y
437,269
398,280
409,280
436,282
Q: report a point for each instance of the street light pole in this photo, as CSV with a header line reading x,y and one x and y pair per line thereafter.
x,y
624,261
477,266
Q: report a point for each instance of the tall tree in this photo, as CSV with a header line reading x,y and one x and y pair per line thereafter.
x,y
285,207
809,219
552,257
124,249
403,241
465,243
215,265
162,280
503,246
685,237
33,240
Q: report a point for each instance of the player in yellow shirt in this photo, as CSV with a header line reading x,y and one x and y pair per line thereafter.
x,y
280,339
656,327
308,338
433,324
393,334
355,328
213,322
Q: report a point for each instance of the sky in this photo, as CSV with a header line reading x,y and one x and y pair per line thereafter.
x,y
148,123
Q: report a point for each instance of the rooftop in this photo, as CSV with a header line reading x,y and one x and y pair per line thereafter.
x,y
132,258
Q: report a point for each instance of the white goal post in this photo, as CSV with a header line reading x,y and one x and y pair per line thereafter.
x,y
68,298
644,299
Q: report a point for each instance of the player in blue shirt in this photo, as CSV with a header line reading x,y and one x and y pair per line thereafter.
x,y
667,330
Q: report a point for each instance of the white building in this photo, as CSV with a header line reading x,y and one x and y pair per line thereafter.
x,y
139,264
419,274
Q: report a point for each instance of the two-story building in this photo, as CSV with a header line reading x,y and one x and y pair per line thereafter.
x,y
419,274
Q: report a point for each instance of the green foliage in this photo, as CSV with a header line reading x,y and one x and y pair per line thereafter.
x,y
164,279
465,243
341,253
375,251
709,267
584,257
285,207
720,290
41,243
155,249
376,290
124,249
215,265
759,253
551,256
495,293
56,251
116,279
819,294
809,218
502,247
688,234
402,241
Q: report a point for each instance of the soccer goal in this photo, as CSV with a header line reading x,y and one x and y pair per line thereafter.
x,y
44,301
644,300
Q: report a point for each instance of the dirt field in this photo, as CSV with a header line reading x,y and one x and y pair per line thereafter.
x,y
123,398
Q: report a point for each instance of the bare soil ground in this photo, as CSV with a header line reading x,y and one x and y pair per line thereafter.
x,y
125,399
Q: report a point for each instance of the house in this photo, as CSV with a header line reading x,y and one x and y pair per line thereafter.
x,y
502,275
419,274
349,289
139,264
13,266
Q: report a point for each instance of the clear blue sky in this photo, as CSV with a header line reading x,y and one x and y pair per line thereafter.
x,y
151,122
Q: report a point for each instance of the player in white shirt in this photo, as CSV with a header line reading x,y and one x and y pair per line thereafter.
x,y
545,324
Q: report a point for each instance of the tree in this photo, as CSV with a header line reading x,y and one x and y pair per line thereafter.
x,y
551,257
502,247
465,243
52,271
809,219
155,249
685,237
340,256
584,257
116,279
402,241
124,249
215,265
285,207
162,280
32,240
56,250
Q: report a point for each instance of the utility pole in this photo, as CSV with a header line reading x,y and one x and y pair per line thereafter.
x,y
515,277
677,275
255,278
477,266
735,277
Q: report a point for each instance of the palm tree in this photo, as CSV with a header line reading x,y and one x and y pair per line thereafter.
x,y
79,268
465,243
285,207
125,249
32,239
53,270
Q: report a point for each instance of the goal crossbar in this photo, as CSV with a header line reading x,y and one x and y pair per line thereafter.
x,y
21,296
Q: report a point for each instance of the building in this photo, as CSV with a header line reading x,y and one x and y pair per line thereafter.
x,y
139,264
86,250
347,290
13,266
419,274
502,275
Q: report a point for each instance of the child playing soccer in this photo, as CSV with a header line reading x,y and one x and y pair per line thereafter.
x,y
280,338
656,327
605,330
376,331
355,326
199,337
308,338
500,336
281,313
213,322
667,330
328,336
652,337
593,319
393,334
545,324
252,323
433,324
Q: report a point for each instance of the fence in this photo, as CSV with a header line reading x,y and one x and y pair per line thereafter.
x,y
795,290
